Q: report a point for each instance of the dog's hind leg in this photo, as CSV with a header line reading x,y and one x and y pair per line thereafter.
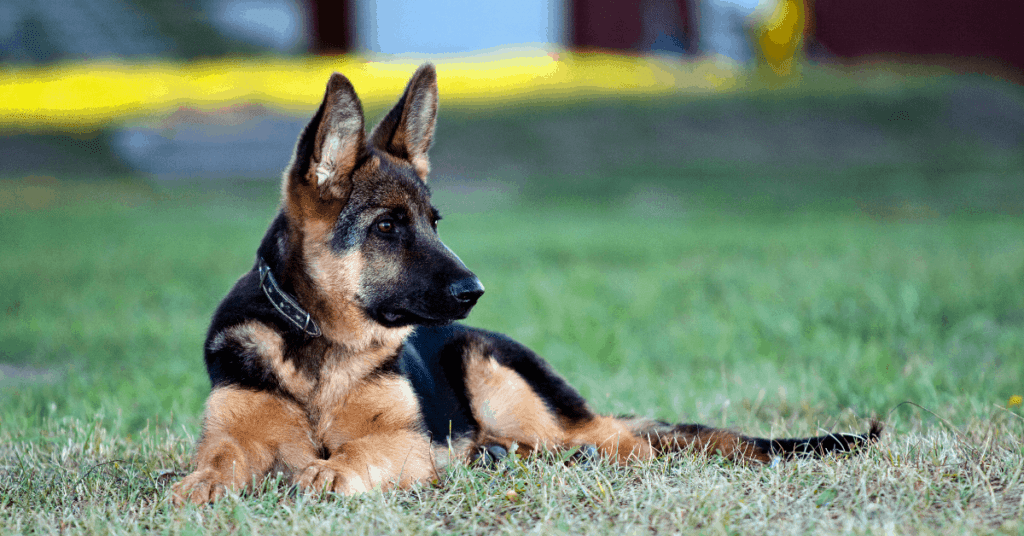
x,y
612,438
515,397
244,433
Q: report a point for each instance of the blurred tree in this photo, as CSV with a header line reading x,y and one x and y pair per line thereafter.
x,y
28,41
188,25
43,31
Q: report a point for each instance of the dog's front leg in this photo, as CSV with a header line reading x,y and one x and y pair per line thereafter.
x,y
385,460
375,436
244,433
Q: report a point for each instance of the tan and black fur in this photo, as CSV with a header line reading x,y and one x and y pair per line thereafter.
x,y
337,390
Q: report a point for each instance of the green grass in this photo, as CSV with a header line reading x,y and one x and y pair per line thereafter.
x,y
774,321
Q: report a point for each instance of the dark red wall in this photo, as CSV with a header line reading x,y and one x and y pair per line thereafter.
x,y
991,29
613,23
332,23
606,23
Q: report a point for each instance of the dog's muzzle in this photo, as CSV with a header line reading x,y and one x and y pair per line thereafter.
x,y
467,291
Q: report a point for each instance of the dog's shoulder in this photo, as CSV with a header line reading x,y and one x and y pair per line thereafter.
x,y
245,333
244,302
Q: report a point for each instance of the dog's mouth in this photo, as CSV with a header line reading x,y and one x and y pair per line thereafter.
x,y
394,317
454,302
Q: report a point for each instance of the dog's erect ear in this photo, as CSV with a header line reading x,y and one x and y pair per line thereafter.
x,y
408,129
333,142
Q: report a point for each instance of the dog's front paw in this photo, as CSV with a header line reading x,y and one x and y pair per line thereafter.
x,y
324,475
201,487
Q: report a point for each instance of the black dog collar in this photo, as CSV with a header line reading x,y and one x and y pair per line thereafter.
x,y
285,304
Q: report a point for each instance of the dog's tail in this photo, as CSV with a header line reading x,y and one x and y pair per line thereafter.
x,y
665,437
820,445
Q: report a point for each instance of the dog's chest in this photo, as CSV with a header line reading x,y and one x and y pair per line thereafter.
x,y
355,395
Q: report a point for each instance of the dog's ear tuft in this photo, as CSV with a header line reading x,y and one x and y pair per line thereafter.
x,y
408,129
333,142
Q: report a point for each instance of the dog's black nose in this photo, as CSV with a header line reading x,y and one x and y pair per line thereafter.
x,y
467,290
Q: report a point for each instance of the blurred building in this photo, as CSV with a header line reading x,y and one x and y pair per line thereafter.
x,y
666,25
915,30
912,30
940,29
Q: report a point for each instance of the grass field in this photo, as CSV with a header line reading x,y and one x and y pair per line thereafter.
x,y
774,306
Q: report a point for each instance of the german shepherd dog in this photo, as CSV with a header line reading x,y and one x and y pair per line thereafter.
x,y
317,371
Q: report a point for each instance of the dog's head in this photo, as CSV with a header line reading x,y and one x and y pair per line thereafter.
x,y
360,220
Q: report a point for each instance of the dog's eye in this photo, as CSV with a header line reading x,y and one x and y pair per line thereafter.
x,y
386,226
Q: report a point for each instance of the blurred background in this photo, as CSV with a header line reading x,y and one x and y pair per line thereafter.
x,y
711,200
220,88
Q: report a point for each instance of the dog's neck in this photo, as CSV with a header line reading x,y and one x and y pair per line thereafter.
x,y
286,304
341,323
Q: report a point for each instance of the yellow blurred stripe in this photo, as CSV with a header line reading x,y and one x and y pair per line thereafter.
x,y
84,96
